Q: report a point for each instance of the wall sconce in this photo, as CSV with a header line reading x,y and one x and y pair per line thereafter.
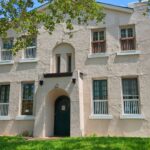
x,y
74,81
41,82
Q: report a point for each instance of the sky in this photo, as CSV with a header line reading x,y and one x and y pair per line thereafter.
x,y
118,2
115,2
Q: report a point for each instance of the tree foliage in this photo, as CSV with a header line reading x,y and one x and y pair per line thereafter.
x,y
20,16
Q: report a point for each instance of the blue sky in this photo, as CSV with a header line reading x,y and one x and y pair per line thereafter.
x,y
115,2
118,2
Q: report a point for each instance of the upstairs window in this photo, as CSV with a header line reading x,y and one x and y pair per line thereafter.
x,y
100,97
131,101
69,63
98,42
6,53
127,38
4,99
27,98
30,51
58,63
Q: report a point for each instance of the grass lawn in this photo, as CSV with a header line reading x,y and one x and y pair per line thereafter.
x,y
88,143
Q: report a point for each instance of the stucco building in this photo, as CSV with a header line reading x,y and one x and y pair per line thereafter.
x,y
97,82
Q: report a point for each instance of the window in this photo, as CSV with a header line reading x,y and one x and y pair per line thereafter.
x,y
30,51
6,53
69,63
58,63
4,99
99,42
27,98
100,97
127,38
130,96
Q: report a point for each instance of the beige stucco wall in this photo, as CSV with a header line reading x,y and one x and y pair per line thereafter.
x,y
113,68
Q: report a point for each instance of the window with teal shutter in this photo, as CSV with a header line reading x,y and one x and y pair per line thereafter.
x,y
100,97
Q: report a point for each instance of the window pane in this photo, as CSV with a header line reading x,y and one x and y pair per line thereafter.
x,y
8,43
58,63
28,91
130,88
69,63
4,93
130,32
32,42
123,33
30,52
100,89
101,35
95,36
4,99
27,98
131,96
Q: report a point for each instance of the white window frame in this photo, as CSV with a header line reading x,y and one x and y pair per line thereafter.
x,y
26,117
91,41
6,117
99,116
2,61
131,115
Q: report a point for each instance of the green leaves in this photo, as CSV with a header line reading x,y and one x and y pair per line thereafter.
x,y
15,14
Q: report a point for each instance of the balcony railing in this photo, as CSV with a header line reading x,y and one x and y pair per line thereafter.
x,y
30,52
100,107
128,43
99,46
6,55
4,109
131,104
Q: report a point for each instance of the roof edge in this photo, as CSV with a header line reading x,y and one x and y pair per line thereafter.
x,y
117,7
105,5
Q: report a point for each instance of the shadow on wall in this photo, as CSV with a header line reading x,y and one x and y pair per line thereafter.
x,y
96,61
126,59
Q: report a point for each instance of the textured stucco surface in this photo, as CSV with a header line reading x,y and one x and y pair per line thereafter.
x,y
113,68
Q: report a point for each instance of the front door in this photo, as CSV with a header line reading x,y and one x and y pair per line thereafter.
x,y
62,116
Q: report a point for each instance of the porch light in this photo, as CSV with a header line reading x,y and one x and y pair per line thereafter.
x,y
74,81
41,82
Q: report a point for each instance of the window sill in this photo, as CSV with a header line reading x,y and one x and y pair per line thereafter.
x,y
98,55
139,116
19,118
30,60
103,117
6,62
5,118
129,52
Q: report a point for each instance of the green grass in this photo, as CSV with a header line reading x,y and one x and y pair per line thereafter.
x,y
88,143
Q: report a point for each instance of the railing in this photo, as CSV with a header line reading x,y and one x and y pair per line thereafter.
x,y
100,107
99,46
131,104
30,52
4,109
6,55
128,43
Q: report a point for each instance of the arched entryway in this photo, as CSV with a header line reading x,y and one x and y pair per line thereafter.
x,y
62,116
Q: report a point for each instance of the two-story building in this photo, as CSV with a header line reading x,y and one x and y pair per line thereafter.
x,y
97,82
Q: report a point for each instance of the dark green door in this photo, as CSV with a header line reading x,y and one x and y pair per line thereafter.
x,y
62,116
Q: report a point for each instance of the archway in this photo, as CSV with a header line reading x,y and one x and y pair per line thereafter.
x,y
49,116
